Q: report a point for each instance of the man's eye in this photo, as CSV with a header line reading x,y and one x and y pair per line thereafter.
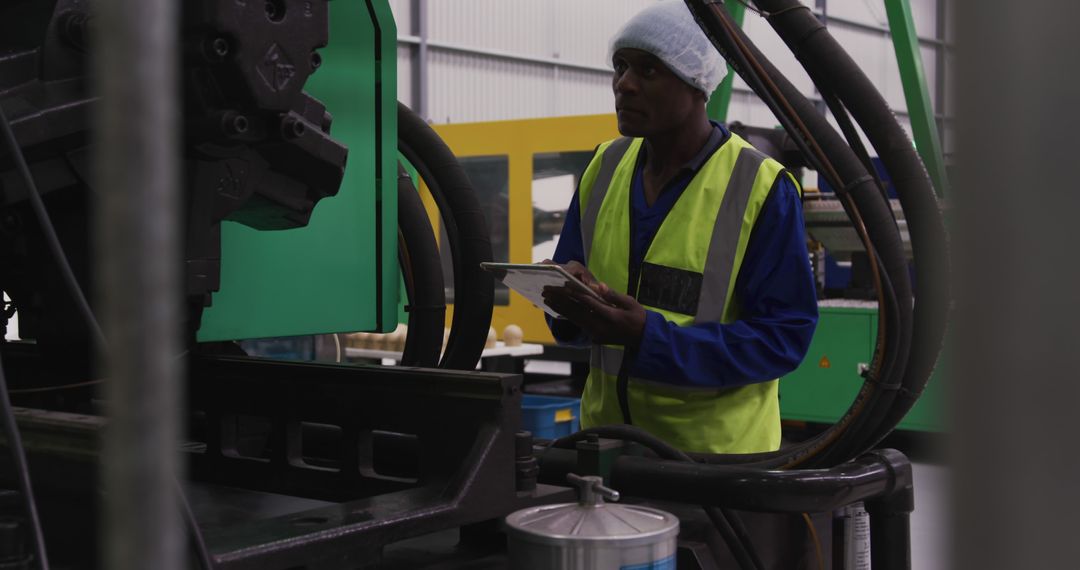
x,y
648,71
620,66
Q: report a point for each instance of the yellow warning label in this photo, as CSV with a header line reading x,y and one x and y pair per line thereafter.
x,y
564,415
824,362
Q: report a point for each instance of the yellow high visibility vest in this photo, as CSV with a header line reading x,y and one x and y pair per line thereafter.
x,y
688,275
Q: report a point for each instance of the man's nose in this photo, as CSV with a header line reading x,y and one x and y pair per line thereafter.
x,y
625,83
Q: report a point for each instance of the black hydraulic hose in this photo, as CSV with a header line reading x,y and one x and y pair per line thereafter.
x,y
830,66
840,113
849,437
872,475
854,182
419,257
467,230
727,522
845,439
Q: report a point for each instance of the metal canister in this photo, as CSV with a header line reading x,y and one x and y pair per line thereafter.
x,y
592,534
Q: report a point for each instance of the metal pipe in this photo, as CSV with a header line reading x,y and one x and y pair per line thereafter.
x,y
876,474
136,159
890,530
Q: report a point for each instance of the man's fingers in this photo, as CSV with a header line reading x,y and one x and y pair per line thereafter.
x,y
618,299
594,305
564,303
580,272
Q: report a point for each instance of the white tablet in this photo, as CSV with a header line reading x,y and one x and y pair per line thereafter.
x,y
529,279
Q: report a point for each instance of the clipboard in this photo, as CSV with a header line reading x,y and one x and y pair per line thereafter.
x,y
529,279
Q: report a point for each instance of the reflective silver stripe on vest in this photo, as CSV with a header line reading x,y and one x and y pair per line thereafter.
x,y
720,260
608,163
607,359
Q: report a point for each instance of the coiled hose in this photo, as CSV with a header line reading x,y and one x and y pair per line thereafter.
x,y
418,254
872,217
830,66
466,230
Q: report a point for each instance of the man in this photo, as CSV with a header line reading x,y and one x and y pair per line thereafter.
x,y
696,242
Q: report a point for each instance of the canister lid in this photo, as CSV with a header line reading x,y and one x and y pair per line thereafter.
x,y
592,520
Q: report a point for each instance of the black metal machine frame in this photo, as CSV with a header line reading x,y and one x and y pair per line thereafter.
x,y
376,455
389,453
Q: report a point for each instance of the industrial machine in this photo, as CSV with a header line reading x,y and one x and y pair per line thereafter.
x,y
290,138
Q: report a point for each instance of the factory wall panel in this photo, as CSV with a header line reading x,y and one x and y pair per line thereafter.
x,y
403,15
465,85
770,44
583,93
570,30
405,76
872,12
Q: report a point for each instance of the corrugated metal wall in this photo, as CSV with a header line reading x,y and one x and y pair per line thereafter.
x,y
511,59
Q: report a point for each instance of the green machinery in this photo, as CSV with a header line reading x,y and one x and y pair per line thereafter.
x,y
823,387
348,251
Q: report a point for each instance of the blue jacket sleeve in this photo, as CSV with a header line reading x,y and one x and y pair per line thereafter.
x,y
776,290
569,248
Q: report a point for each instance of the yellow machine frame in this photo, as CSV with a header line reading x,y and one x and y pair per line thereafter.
x,y
520,141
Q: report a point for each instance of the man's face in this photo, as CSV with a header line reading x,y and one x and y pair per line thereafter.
x,y
649,98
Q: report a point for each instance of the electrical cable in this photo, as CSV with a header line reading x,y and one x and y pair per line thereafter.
x,y
817,541
22,471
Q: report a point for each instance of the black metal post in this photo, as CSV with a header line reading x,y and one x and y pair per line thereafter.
x,y
890,530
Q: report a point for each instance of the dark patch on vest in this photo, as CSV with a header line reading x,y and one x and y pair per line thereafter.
x,y
670,289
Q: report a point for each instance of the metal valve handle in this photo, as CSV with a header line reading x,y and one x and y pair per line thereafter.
x,y
591,489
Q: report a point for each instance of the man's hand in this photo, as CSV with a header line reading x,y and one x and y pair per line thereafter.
x,y
618,319
579,272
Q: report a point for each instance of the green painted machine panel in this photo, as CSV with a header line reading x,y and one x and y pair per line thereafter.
x,y
340,273
826,383
824,386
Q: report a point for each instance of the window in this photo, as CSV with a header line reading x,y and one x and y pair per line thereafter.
x,y
555,179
